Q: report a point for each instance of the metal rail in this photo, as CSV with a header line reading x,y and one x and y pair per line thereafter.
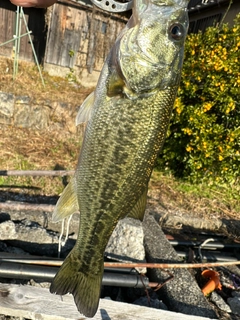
x,y
129,278
58,262
35,173
21,206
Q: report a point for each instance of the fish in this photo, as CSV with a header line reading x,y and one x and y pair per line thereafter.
x,y
126,118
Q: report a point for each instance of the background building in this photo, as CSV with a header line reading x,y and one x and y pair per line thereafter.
x,y
206,13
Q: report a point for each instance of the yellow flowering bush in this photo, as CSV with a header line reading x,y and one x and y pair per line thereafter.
x,y
203,140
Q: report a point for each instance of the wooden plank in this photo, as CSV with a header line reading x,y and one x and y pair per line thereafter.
x,y
7,22
37,303
64,35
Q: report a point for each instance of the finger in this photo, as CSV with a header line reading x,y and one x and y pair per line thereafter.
x,y
33,3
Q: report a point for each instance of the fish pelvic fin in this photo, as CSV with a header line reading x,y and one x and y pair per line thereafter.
x,y
85,287
67,203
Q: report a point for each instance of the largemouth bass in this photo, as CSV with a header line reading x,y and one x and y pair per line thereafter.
x,y
127,118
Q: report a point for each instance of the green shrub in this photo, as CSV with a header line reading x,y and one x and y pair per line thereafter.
x,y
203,140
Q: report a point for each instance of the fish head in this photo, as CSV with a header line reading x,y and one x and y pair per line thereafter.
x,y
151,49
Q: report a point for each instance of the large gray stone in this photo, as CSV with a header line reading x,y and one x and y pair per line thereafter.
x,y
6,107
181,294
234,304
21,111
7,230
32,238
31,116
26,231
126,242
43,219
219,302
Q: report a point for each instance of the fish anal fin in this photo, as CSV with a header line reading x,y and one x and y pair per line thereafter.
x,y
67,203
85,110
139,208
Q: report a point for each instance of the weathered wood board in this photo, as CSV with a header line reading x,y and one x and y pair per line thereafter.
x,y
81,36
37,303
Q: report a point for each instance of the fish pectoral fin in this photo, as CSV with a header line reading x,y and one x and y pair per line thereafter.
x,y
85,110
139,208
67,203
115,84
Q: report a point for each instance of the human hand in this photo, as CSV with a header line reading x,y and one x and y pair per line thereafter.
x,y
33,3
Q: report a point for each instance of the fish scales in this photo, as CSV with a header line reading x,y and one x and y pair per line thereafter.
x,y
127,118
122,182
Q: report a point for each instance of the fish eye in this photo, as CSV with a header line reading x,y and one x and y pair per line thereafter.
x,y
176,31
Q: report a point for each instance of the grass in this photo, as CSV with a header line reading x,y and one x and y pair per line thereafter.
x,y
220,193
202,200
28,82
36,150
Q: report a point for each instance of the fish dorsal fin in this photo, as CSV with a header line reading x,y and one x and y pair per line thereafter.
x,y
67,203
139,208
85,110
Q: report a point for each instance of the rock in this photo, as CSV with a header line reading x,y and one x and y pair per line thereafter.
x,y
177,221
43,219
6,108
21,111
234,304
219,302
236,294
9,249
32,238
39,284
8,230
31,116
22,100
14,250
126,242
26,231
152,303
234,270
181,294
63,116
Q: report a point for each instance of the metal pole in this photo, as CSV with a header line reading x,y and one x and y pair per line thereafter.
x,y
24,271
18,39
35,173
15,63
34,52
14,39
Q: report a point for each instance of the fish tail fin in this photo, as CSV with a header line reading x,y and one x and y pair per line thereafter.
x,y
85,287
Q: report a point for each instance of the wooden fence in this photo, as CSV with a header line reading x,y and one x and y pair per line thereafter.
x,y
70,34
